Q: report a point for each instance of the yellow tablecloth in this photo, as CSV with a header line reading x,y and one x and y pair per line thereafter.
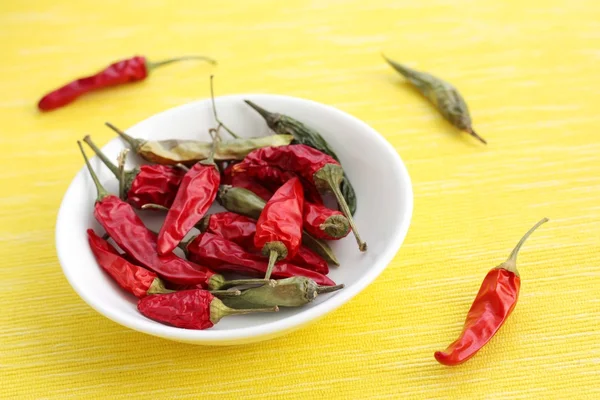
x,y
529,70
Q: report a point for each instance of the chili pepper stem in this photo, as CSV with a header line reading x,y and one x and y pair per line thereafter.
x,y
102,192
109,164
214,133
219,310
335,226
152,206
221,124
133,142
153,65
329,289
474,134
225,293
240,282
273,257
511,263
330,177
158,287
121,163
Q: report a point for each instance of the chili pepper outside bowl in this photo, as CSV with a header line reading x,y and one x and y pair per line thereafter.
x,y
380,179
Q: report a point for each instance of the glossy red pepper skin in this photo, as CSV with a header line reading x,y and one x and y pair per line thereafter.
x,y
134,279
122,224
493,304
241,230
316,216
155,184
121,72
223,255
281,219
196,193
189,309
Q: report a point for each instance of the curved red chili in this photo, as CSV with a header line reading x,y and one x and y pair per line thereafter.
x,y
493,304
121,72
224,256
279,227
324,223
319,169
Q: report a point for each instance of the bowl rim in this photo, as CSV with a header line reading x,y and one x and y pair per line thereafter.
x,y
273,328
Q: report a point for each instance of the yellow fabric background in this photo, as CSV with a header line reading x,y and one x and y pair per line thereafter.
x,y
529,70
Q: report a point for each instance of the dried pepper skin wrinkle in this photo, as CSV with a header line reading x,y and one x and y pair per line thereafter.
x,y
495,301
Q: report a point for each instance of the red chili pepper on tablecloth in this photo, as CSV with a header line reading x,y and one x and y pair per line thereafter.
x,y
134,279
121,72
279,227
189,309
317,168
128,231
148,184
324,223
493,304
223,255
196,194
241,230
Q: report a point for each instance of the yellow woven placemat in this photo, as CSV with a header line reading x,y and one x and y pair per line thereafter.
x,y
530,73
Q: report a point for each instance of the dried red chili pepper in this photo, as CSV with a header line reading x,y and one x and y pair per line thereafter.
x,y
244,181
279,227
317,168
493,304
134,279
147,184
241,230
196,194
121,72
223,255
128,231
189,309
324,223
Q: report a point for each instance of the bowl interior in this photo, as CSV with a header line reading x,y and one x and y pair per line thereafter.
x,y
379,177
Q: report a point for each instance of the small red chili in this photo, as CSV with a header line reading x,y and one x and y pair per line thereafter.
x,y
189,309
315,167
324,223
225,256
134,279
148,184
241,230
121,72
245,181
495,301
196,194
279,227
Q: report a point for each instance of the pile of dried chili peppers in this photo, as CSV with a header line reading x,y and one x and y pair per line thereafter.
x,y
269,248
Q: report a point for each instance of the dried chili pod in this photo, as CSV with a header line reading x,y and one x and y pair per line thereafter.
x,y
147,184
316,167
243,201
189,309
246,182
444,96
290,292
188,152
324,223
303,134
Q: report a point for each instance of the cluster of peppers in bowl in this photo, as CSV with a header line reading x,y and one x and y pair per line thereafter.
x,y
273,233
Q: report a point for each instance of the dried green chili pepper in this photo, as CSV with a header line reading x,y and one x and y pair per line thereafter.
x,y
243,201
188,152
284,125
444,96
290,292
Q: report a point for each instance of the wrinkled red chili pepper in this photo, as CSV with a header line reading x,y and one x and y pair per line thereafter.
x,y
123,225
134,279
244,181
317,168
493,304
121,72
241,230
279,227
189,309
225,256
148,184
324,223
196,193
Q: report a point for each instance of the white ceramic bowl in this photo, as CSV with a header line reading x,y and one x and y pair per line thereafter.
x,y
382,184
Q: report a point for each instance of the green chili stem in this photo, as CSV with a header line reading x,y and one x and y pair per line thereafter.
x,y
273,256
153,65
133,142
113,168
214,133
225,293
154,207
329,289
102,192
240,282
221,124
121,160
511,263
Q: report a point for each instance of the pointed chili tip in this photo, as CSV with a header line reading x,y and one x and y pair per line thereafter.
x,y
442,358
474,134
268,116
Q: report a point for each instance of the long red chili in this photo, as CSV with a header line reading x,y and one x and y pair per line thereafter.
x,y
134,279
121,72
279,227
225,256
189,309
315,167
196,194
241,230
493,304
123,225
147,184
